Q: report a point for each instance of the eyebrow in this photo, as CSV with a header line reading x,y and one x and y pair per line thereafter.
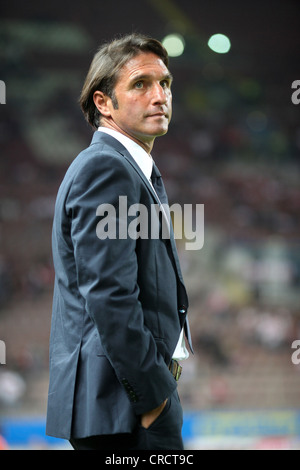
x,y
167,76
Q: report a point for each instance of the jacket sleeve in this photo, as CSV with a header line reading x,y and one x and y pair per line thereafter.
x,y
107,271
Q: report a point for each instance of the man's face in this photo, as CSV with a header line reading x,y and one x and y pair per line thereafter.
x,y
143,93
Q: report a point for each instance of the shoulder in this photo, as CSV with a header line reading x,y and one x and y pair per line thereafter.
x,y
101,168
103,149
104,155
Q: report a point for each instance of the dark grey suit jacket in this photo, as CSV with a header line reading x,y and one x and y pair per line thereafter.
x,y
118,307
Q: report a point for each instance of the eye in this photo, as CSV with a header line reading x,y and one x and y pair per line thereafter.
x,y
165,84
139,85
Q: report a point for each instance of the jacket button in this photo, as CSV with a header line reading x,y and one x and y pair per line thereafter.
x,y
182,309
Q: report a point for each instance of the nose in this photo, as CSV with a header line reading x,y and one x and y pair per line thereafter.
x,y
159,94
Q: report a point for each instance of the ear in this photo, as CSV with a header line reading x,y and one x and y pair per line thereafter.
x,y
102,102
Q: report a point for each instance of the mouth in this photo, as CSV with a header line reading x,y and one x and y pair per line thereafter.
x,y
158,115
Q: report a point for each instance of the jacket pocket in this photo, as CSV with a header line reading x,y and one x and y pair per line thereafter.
x,y
163,415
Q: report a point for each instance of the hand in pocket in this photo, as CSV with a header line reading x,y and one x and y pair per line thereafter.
x,y
149,417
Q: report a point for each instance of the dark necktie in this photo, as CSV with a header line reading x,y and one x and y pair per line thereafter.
x,y
160,190
159,185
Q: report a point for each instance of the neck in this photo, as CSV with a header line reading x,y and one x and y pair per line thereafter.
x,y
146,145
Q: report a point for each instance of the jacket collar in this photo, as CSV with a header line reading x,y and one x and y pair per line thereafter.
x,y
101,137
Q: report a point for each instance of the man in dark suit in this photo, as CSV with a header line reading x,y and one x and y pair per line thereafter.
x,y
120,305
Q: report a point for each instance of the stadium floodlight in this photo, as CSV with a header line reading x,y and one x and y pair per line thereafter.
x,y
175,44
219,43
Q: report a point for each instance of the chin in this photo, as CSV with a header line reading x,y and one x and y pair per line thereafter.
x,y
160,131
163,132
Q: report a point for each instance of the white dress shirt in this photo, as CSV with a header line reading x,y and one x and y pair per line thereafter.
x,y
145,162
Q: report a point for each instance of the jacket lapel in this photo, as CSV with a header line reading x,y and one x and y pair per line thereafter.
x,y
117,146
166,215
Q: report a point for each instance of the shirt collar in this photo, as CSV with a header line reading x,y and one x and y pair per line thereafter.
x,y
141,157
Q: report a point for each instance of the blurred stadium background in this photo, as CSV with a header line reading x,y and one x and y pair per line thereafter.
x,y
234,146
